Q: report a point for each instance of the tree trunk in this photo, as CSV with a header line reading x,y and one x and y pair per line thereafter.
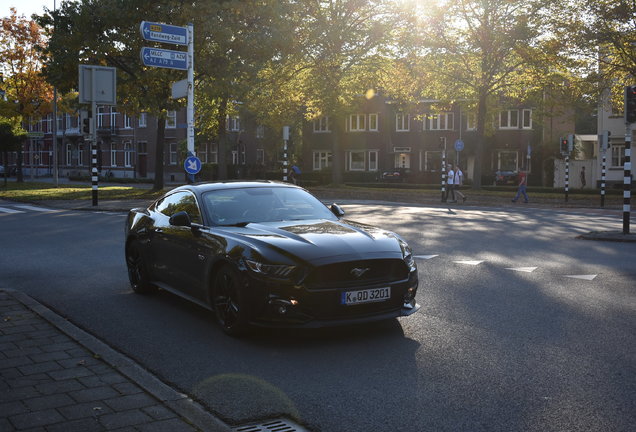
x,y
481,134
222,150
19,176
159,153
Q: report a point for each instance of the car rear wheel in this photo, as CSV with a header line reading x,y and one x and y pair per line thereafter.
x,y
229,305
137,273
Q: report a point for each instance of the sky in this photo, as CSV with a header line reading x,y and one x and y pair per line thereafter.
x,y
26,7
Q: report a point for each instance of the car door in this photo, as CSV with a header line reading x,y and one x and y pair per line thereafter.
x,y
179,253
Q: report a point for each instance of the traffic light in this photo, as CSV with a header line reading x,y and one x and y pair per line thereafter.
x,y
442,143
630,104
563,145
85,116
603,140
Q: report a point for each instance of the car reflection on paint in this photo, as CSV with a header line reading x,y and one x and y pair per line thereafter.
x,y
268,254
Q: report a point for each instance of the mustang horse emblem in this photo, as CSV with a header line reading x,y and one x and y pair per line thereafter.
x,y
358,272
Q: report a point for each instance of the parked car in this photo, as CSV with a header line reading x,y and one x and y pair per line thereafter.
x,y
396,175
506,178
268,254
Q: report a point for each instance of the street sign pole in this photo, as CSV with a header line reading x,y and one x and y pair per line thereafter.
x,y
190,110
627,179
93,120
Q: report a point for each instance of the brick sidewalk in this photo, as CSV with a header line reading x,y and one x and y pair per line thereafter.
x,y
56,377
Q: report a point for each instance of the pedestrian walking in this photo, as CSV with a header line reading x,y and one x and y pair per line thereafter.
x,y
583,182
450,184
523,182
458,182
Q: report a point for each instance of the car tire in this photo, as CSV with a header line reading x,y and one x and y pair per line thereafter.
x,y
228,302
137,273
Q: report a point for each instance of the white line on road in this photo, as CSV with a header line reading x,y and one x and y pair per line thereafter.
x,y
8,210
472,263
584,277
426,257
522,269
34,208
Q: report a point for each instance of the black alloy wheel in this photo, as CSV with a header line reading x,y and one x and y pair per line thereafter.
x,y
230,309
137,273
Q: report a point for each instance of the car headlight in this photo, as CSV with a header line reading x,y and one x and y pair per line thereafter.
x,y
407,255
279,271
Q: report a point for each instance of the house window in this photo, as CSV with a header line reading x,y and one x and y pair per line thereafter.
x,y
509,119
373,160
373,122
618,155
69,155
233,123
443,121
356,160
507,160
321,124
80,155
100,117
143,120
171,120
260,131
471,121
526,119
433,161
128,154
322,159
142,147
234,157
202,152
113,117
127,122
46,123
113,154
60,123
402,122
260,157
173,153
357,122
214,153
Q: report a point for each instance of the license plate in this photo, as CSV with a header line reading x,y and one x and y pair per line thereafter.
x,y
365,296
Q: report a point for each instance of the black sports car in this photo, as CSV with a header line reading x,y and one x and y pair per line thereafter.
x,y
268,253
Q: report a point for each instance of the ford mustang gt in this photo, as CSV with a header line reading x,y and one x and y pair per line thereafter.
x,y
261,253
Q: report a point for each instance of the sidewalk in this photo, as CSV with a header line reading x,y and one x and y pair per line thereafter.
x,y
56,377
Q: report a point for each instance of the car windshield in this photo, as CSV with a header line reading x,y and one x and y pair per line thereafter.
x,y
263,204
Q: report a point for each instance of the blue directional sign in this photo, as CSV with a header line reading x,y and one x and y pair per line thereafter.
x,y
165,33
192,165
459,145
163,58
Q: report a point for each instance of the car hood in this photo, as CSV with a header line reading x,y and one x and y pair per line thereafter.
x,y
321,241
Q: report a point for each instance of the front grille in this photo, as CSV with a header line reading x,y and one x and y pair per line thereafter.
x,y
356,273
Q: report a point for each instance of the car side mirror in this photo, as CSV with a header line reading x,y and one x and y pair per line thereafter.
x,y
337,210
180,219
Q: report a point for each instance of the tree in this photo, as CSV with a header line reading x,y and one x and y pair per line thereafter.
x,y
11,138
484,51
106,32
28,95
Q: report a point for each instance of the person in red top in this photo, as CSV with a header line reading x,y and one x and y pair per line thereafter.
x,y
523,181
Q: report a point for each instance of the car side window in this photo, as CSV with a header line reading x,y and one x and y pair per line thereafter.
x,y
180,201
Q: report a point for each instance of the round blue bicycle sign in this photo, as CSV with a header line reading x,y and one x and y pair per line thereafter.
x,y
192,165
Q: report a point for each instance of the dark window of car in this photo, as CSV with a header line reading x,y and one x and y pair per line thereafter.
x,y
263,204
180,201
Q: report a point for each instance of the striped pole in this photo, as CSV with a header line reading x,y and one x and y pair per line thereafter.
x,y
442,143
285,139
627,179
567,176
95,176
603,180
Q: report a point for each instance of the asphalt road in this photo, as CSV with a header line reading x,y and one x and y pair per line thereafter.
x,y
523,327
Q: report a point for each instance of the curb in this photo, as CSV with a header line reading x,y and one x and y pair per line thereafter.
x,y
180,403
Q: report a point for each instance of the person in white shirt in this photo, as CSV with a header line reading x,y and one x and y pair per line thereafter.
x,y
458,181
450,184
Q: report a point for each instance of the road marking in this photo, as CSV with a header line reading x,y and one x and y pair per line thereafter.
x,y
522,269
426,257
584,277
8,210
472,263
34,208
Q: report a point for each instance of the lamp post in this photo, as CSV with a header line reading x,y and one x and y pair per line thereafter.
x,y
56,179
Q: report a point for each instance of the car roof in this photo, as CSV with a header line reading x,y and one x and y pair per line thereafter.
x,y
232,184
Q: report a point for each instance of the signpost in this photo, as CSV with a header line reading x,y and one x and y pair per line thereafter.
x,y
170,59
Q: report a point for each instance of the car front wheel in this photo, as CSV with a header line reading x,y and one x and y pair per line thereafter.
x,y
137,273
229,305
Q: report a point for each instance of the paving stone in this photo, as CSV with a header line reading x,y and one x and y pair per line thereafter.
x,y
12,408
19,352
122,403
19,394
39,368
124,418
94,394
27,381
14,362
80,425
84,410
64,386
48,356
127,388
35,419
76,372
51,401
159,412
